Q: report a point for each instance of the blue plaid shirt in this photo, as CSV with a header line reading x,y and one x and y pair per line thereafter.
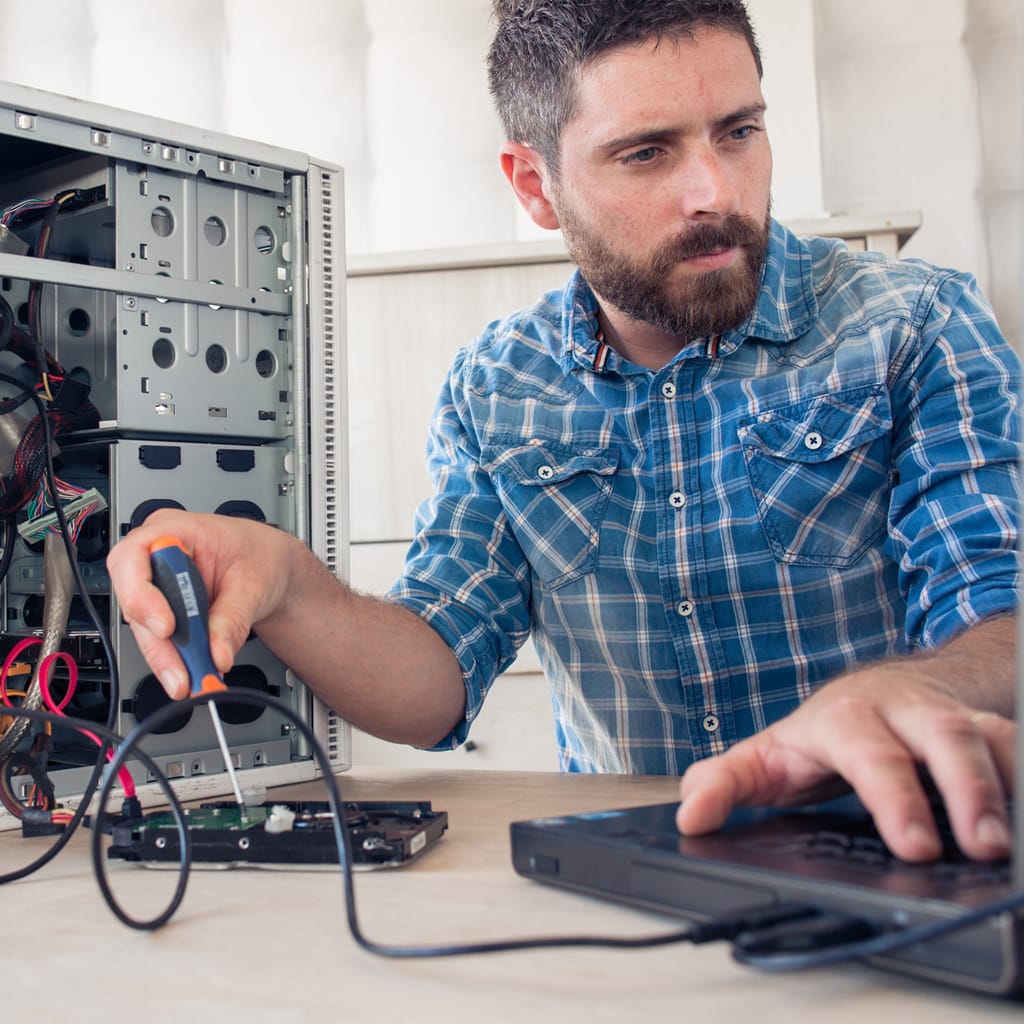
x,y
698,548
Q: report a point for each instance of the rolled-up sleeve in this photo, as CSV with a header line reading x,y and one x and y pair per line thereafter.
x,y
956,501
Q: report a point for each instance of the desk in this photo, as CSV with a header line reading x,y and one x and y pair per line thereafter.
x,y
255,946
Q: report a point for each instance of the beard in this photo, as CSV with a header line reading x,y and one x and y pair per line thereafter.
x,y
698,305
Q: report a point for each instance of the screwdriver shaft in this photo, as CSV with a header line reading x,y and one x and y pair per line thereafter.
x,y
218,728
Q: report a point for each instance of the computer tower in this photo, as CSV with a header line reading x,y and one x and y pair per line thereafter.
x,y
191,284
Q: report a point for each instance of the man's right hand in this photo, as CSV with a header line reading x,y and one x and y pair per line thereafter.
x,y
245,567
377,663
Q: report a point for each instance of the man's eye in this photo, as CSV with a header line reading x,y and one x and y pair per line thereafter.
x,y
641,156
739,134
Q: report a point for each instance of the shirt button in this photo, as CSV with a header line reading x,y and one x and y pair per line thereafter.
x,y
813,441
710,723
685,608
677,499
545,472
668,389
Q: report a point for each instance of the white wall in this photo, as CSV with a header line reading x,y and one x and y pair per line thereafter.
x,y
921,107
785,31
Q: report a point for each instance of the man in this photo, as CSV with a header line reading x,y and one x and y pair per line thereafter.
x,y
722,468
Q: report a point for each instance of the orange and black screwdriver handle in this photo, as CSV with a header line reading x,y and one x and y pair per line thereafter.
x,y
175,575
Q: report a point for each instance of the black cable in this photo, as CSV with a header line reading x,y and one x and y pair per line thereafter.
x,y
752,952
9,536
10,404
110,740
6,322
343,841
36,287
742,929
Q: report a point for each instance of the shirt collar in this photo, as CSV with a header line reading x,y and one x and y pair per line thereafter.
x,y
580,327
786,307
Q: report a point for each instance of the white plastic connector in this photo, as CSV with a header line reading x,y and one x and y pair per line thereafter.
x,y
280,819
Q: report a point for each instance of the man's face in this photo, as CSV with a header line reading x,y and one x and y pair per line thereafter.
x,y
663,189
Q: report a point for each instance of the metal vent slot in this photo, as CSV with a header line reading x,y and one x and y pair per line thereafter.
x,y
327,355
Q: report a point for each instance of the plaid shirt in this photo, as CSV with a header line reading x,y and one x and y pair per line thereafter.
x,y
697,548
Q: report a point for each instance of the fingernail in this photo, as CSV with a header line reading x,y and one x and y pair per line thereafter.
x,y
992,831
922,838
174,683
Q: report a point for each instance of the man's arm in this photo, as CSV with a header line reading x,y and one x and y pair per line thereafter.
x,y
873,729
377,664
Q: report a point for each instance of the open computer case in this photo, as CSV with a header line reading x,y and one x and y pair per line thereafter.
x,y
191,287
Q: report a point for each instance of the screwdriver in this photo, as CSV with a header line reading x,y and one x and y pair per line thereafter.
x,y
175,575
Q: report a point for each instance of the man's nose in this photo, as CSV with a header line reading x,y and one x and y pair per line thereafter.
x,y
705,187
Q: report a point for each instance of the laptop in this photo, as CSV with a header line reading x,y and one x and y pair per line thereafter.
x,y
827,856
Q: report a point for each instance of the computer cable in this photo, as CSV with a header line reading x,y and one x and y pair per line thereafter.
x,y
691,933
841,939
6,322
110,741
7,540
46,455
36,287
28,451
749,931
43,672
106,732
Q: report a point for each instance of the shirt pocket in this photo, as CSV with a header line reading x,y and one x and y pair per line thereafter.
x,y
555,498
821,474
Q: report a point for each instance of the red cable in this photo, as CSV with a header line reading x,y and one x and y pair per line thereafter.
x,y
12,655
45,670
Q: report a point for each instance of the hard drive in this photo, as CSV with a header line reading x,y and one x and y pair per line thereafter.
x,y
282,834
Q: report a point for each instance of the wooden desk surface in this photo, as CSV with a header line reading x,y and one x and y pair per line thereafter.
x,y
254,945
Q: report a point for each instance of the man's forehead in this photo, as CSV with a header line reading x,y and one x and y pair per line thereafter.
x,y
711,74
681,47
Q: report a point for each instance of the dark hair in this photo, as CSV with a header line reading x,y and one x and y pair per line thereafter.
x,y
540,46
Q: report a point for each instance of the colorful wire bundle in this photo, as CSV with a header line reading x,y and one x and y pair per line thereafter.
x,y
41,506
14,211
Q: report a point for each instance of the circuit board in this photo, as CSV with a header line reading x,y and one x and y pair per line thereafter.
x,y
282,834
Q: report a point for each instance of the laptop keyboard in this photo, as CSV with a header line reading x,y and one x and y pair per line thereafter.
x,y
860,846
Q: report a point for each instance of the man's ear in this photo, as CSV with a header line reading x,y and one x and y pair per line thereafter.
x,y
527,174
